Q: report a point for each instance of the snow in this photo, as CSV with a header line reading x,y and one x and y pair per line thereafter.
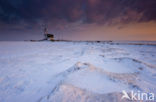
x,y
94,81
75,71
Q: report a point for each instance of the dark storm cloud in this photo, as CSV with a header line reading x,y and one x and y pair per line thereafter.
x,y
126,10
98,11
34,10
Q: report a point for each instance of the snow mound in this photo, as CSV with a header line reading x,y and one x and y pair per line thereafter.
x,y
70,93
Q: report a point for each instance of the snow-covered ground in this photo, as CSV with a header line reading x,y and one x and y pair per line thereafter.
x,y
75,71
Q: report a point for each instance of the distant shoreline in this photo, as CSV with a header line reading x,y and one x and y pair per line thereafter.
x,y
105,42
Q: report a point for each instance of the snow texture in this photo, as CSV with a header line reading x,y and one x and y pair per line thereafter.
x,y
75,71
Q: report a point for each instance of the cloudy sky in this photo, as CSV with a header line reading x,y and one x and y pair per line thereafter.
x,y
78,19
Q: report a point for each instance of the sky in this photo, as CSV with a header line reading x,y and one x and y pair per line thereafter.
x,y
78,19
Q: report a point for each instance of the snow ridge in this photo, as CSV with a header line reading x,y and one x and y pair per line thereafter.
x,y
61,76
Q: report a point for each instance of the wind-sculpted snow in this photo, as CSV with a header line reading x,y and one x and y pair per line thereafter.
x,y
75,71
72,91
61,77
